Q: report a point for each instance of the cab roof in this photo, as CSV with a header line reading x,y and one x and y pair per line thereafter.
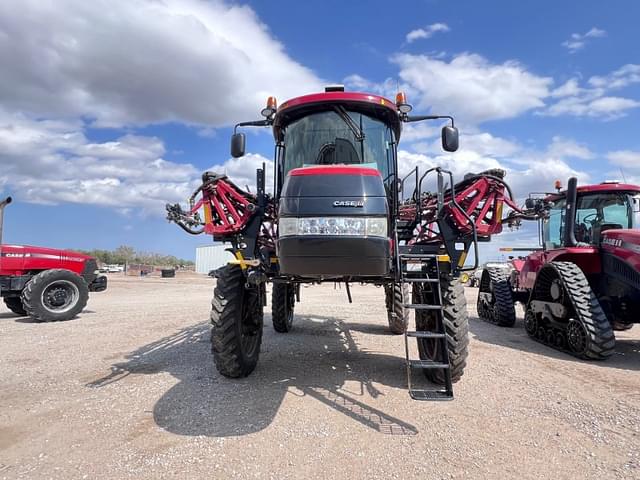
x,y
374,105
600,187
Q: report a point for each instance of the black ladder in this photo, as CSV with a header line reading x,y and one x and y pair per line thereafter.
x,y
427,271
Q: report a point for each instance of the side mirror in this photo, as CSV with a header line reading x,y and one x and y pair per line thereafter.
x,y
237,145
450,139
529,203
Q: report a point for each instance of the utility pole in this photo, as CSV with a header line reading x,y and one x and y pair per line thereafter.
x,y
3,204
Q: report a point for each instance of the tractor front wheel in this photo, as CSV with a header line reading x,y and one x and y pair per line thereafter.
x,y
456,327
15,305
236,323
55,295
495,300
283,301
397,315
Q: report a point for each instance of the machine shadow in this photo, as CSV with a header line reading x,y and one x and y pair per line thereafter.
x,y
625,357
316,359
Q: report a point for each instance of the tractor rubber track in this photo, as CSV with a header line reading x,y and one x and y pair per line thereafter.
x,y
600,338
503,312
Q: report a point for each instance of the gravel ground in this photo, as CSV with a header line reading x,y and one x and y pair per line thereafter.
x,y
128,390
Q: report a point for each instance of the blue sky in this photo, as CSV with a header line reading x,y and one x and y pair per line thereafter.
x,y
109,109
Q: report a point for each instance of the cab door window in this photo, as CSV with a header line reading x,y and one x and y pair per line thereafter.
x,y
554,225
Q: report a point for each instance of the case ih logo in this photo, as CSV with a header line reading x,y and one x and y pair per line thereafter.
x,y
614,242
349,203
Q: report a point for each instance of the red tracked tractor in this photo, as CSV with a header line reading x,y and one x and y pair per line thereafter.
x,y
584,282
338,213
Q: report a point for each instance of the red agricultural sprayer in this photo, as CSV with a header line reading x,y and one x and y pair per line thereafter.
x,y
338,213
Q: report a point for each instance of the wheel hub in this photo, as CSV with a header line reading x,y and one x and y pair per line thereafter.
x,y
576,337
556,290
530,322
60,296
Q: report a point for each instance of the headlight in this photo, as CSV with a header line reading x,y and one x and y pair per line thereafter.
x,y
338,226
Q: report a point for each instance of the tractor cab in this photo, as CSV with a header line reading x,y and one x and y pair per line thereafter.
x,y
598,208
335,179
336,187
337,129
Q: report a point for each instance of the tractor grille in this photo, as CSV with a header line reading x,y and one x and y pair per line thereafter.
x,y
621,270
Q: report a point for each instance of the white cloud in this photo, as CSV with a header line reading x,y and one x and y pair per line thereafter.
x,y
242,171
388,88
569,148
528,169
142,61
426,32
607,108
570,88
481,143
625,158
595,99
53,162
471,88
577,41
624,76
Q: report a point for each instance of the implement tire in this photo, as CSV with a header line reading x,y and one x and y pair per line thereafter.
x,y
55,295
502,310
397,315
15,305
456,326
236,324
283,301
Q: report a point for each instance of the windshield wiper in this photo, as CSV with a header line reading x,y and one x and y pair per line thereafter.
x,y
353,126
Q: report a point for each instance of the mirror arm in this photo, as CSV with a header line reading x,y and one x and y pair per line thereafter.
x,y
255,123
419,118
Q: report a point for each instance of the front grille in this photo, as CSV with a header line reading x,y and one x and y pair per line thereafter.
x,y
621,270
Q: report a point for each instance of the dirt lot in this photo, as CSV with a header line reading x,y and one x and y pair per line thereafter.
x,y
128,390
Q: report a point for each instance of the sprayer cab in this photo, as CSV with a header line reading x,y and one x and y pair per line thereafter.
x,y
336,181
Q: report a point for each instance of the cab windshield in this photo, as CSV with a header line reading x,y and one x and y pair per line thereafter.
x,y
329,138
595,213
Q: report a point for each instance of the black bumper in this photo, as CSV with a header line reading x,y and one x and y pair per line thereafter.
x,y
10,286
326,257
99,284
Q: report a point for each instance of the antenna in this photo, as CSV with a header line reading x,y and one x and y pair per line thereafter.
x,y
623,177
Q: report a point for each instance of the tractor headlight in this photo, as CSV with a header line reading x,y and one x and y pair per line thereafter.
x,y
337,226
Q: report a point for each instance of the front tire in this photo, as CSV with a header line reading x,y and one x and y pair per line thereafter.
x,y
15,305
500,309
456,326
55,295
283,301
397,315
236,324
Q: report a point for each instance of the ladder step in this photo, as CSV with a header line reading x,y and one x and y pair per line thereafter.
x,y
428,364
419,256
418,306
425,334
417,279
431,395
